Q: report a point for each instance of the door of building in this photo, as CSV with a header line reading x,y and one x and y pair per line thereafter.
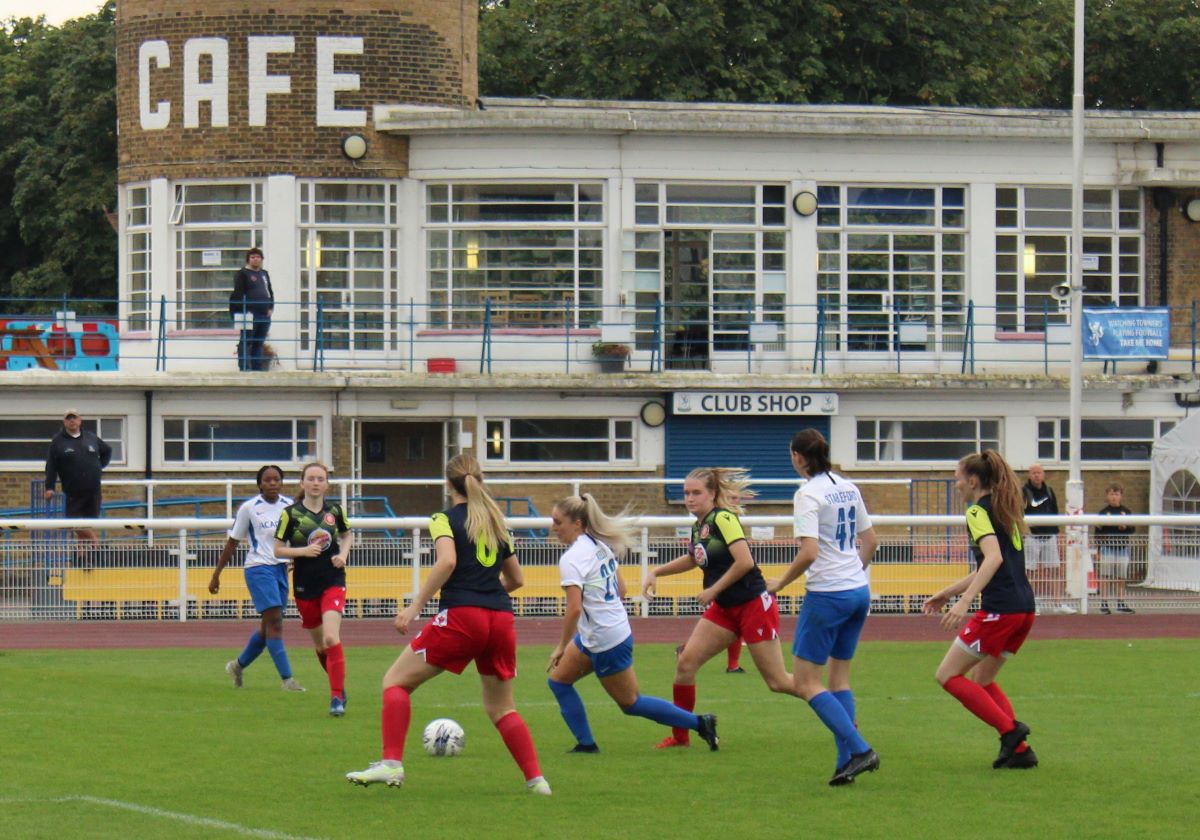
x,y
403,449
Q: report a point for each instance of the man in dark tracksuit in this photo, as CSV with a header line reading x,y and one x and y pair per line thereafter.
x,y
252,293
76,458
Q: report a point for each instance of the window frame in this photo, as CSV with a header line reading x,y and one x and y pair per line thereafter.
x,y
613,440
117,441
138,305
977,444
1060,441
187,462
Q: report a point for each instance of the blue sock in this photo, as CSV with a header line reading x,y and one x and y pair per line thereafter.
x,y
253,648
831,713
660,711
279,654
846,698
573,711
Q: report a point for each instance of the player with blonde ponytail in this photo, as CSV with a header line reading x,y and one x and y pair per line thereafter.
x,y
996,525
475,570
595,632
735,598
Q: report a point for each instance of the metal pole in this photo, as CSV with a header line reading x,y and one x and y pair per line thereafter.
x,y
1076,535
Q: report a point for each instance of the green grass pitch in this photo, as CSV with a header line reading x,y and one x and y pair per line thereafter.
x,y
156,743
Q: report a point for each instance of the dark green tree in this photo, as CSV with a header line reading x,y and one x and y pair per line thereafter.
x,y
58,159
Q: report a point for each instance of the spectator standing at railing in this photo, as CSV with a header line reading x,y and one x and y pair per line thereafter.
x,y
1112,570
77,457
252,294
475,570
315,534
996,526
266,575
1042,560
837,542
735,599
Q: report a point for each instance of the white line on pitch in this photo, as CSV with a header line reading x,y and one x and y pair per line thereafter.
x,y
203,822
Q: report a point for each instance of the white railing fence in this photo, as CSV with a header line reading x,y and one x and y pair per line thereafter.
x,y
45,574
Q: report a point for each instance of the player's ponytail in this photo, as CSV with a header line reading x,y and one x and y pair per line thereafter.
x,y
485,521
616,531
997,478
729,486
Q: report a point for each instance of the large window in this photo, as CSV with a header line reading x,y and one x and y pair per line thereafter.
x,y
534,252
559,440
215,224
1033,252
1102,439
27,439
206,440
890,256
706,260
348,264
925,440
138,305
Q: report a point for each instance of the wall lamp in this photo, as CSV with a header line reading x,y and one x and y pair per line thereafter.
x,y
354,146
1192,210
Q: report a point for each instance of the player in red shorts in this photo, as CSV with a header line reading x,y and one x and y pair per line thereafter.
x,y
475,570
314,534
737,604
996,523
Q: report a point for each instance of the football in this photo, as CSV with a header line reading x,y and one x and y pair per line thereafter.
x,y
444,737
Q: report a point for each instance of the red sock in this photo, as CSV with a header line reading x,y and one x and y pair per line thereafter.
x,y
685,698
397,713
321,657
979,703
520,744
1001,700
734,654
336,668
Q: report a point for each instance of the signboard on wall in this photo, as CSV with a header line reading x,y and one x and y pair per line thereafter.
x,y
760,403
1126,333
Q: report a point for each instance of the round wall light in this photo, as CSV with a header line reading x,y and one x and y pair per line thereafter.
x,y
654,414
804,203
1192,210
354,146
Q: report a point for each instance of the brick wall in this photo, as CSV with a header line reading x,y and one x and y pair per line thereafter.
x,y
414,51
1183,262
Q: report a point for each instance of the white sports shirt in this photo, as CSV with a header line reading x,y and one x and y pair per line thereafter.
x,y
831,509
257,520
592,567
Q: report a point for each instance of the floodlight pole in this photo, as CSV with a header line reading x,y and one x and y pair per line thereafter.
x,y
1076,535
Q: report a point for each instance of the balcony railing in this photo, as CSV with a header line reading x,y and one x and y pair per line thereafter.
x,y
506,335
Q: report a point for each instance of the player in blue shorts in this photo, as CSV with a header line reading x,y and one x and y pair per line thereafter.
x,y
266,575
836,546
596,635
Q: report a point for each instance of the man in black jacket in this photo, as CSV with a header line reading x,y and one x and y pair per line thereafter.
x,y
76,458
1041,548
252,294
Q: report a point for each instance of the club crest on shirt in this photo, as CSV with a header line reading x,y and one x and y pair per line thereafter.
x,y
329,519
700,555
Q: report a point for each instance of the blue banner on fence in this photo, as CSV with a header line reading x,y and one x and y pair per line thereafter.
x,y
1126,333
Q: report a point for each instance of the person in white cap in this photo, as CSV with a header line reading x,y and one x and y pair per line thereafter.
x,y
76,458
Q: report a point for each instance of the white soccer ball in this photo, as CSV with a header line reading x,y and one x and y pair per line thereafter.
x,y
444,737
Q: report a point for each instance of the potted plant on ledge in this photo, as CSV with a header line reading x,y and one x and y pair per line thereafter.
x,y
612,357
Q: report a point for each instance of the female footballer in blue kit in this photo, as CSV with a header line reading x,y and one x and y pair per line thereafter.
x,y
475,570
996,525
735,598
266,575
837,542
596,635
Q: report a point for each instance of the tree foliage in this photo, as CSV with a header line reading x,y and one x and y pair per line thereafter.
x,y
58,159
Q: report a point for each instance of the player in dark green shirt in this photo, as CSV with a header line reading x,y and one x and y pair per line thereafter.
x,y
314,534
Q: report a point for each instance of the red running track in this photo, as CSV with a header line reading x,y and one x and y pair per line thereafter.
x,y
210,633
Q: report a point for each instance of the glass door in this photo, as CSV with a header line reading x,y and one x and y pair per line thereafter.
x,y
687,304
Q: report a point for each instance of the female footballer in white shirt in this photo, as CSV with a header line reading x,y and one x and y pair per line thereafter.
x,y
266,575
596,635
836,545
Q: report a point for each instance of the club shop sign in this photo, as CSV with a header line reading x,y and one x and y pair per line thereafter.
x,y
211,84
774,403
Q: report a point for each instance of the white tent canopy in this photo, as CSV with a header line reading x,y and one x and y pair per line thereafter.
x,y
1174,561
